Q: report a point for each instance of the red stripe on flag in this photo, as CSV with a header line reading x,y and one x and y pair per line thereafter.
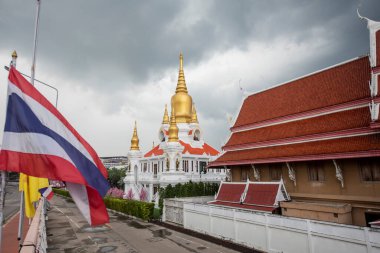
x,y
40,166
98,211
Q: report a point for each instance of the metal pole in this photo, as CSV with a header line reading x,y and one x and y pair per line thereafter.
x,y
22,212
2,200
35,42
32,82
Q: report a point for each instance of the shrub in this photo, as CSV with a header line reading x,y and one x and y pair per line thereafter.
x,y
115,193
143,195
61,192
140,209
130,194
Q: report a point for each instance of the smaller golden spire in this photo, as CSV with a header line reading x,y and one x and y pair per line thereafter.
x,y
173,129
194,117
135,139
165,120
14,54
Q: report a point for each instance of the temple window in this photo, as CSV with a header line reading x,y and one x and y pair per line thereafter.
x,y
275,171
244,174
185,165
370,169
316,171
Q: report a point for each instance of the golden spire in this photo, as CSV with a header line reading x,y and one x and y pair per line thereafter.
x,y
181,84
173,129
165,120
194,117
135,139
14,54
181,101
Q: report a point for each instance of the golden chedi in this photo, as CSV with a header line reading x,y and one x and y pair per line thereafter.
x,y
165,119
135,139
181,100
194,117
173,128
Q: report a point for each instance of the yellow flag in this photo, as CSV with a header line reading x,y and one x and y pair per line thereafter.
x,y
30,186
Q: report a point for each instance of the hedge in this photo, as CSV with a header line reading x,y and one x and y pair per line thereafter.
x,y
61,192
140,209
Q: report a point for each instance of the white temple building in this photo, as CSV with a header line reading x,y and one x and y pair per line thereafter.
x,y
181,155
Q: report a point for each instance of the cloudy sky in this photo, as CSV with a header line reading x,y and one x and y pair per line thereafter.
x,y
117,61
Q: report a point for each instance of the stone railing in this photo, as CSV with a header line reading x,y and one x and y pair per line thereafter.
x,y
35,239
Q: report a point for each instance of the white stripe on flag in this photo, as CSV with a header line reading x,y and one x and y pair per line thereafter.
x,y
79,194
33,143
49,120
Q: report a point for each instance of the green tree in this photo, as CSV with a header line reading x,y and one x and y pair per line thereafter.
x,y
116,177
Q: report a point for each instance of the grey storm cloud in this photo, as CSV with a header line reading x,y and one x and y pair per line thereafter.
x,y
115,47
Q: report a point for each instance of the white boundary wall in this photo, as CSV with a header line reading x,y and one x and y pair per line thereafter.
x,y
275,233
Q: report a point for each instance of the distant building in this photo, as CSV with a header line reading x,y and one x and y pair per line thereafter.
x,y
114,161
181,155
320,133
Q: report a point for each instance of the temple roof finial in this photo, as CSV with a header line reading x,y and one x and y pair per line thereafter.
x,y
173,128
165,119
135,139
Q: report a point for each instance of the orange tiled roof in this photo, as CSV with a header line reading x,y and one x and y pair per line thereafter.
x,y
205,149
327,123
343,83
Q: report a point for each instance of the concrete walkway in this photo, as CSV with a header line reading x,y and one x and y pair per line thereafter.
x,y
68,232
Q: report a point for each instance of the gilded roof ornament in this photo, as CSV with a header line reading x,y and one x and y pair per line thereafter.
x,y
14,54
135,139
173,128
181,84
194,117
165,120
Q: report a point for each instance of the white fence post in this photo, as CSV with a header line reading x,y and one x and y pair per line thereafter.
x,y
235,225
368,243
267,231
164,212
309,237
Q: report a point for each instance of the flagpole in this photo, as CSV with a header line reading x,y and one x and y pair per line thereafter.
x,y
2,200
33,69
35,41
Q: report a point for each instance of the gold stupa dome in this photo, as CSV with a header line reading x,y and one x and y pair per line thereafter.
x,y
181,100
135,139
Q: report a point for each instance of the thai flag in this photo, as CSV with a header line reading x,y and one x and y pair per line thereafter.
x,y
47,192
38,141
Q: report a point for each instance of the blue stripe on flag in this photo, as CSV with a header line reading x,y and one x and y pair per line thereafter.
x,y
21,119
